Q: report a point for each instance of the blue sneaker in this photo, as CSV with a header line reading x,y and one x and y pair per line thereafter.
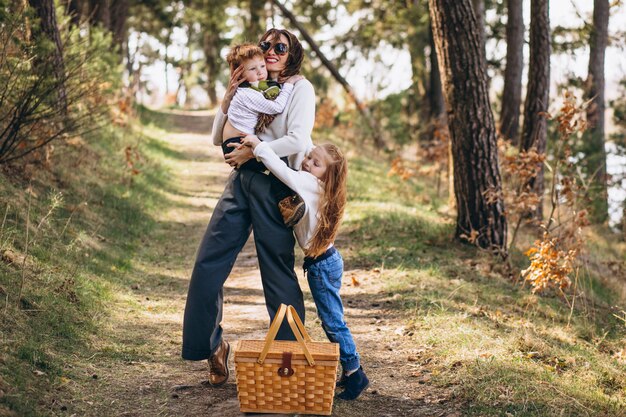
x,y
355,384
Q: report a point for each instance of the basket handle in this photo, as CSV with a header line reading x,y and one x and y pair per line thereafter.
x,y
292,314
296,327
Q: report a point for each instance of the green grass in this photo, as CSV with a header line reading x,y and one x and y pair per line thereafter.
x,y
88,217
501,348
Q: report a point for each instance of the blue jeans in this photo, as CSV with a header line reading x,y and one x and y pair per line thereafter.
x,y
324,278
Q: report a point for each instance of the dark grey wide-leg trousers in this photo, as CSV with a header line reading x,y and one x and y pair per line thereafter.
x,y
246,204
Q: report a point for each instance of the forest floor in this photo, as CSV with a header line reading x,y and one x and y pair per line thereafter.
x,y
442,329
134,367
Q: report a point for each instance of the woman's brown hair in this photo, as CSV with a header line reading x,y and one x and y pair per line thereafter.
x,y
332,202
292,67
296,53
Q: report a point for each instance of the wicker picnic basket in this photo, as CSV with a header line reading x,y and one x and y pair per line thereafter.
x,y
276,376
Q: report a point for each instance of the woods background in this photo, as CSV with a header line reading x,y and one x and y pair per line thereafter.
x,y
455,103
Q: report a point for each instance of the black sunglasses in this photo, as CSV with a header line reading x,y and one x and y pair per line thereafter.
x,y
279,48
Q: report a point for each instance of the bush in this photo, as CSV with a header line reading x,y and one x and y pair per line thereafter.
x,y
37,104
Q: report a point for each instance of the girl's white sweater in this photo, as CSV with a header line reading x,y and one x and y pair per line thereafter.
x,y
304,183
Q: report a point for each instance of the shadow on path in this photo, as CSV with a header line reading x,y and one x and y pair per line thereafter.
x,y
137,370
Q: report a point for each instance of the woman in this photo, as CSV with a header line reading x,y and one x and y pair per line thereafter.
x,y
248,204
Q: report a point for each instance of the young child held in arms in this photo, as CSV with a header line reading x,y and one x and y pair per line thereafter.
x,y
255,101
322,184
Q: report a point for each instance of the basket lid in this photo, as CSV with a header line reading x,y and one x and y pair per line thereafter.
x,y
320,350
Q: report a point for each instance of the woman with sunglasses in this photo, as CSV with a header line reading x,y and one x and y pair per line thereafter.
x,y
247,203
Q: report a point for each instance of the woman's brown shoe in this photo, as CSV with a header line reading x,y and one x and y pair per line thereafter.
x,y
218,365
291,209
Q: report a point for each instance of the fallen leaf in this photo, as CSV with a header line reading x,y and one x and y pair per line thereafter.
x,y
355,282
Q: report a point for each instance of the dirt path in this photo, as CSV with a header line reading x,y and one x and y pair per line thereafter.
x,y
136,369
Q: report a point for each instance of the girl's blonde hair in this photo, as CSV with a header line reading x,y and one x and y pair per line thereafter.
x,y
332,202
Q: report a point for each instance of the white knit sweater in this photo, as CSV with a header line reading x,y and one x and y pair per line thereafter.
x,y
290,132
244,110
304,183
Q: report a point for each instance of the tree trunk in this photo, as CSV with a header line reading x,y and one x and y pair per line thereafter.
x,y
48,28
99,13
479,11
166,59
435,92
77,10
596,157
477,183
417,93
512,93
119,16
17,7
437,107
256,26
211,48
186,66
534,133
379,138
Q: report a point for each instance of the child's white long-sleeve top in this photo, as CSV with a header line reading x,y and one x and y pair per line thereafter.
x,y
290,133
248,103
304,183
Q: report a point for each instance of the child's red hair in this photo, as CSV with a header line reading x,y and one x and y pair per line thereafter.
x,y
240,53
332,202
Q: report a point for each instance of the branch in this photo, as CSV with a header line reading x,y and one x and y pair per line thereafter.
x,y
379,139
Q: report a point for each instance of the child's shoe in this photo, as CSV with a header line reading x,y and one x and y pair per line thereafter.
x,y
355,384
342,381
291,209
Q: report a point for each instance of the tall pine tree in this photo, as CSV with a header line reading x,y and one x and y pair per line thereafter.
x,y
594,91
534,134
477,183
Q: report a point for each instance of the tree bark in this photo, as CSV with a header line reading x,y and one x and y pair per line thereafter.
x,y
17,7
596,157
118,18
213,16
185,66
99,13
166,59
211,48
435,93
417,106
77,10
512,93
379,139
479,11
477,183
534,133
256,26
48,28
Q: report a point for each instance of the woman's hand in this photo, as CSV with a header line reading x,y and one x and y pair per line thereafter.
x,y
239,156
251,141
236,78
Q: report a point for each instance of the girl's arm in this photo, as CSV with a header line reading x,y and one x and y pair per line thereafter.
x,y
298,181
301,117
